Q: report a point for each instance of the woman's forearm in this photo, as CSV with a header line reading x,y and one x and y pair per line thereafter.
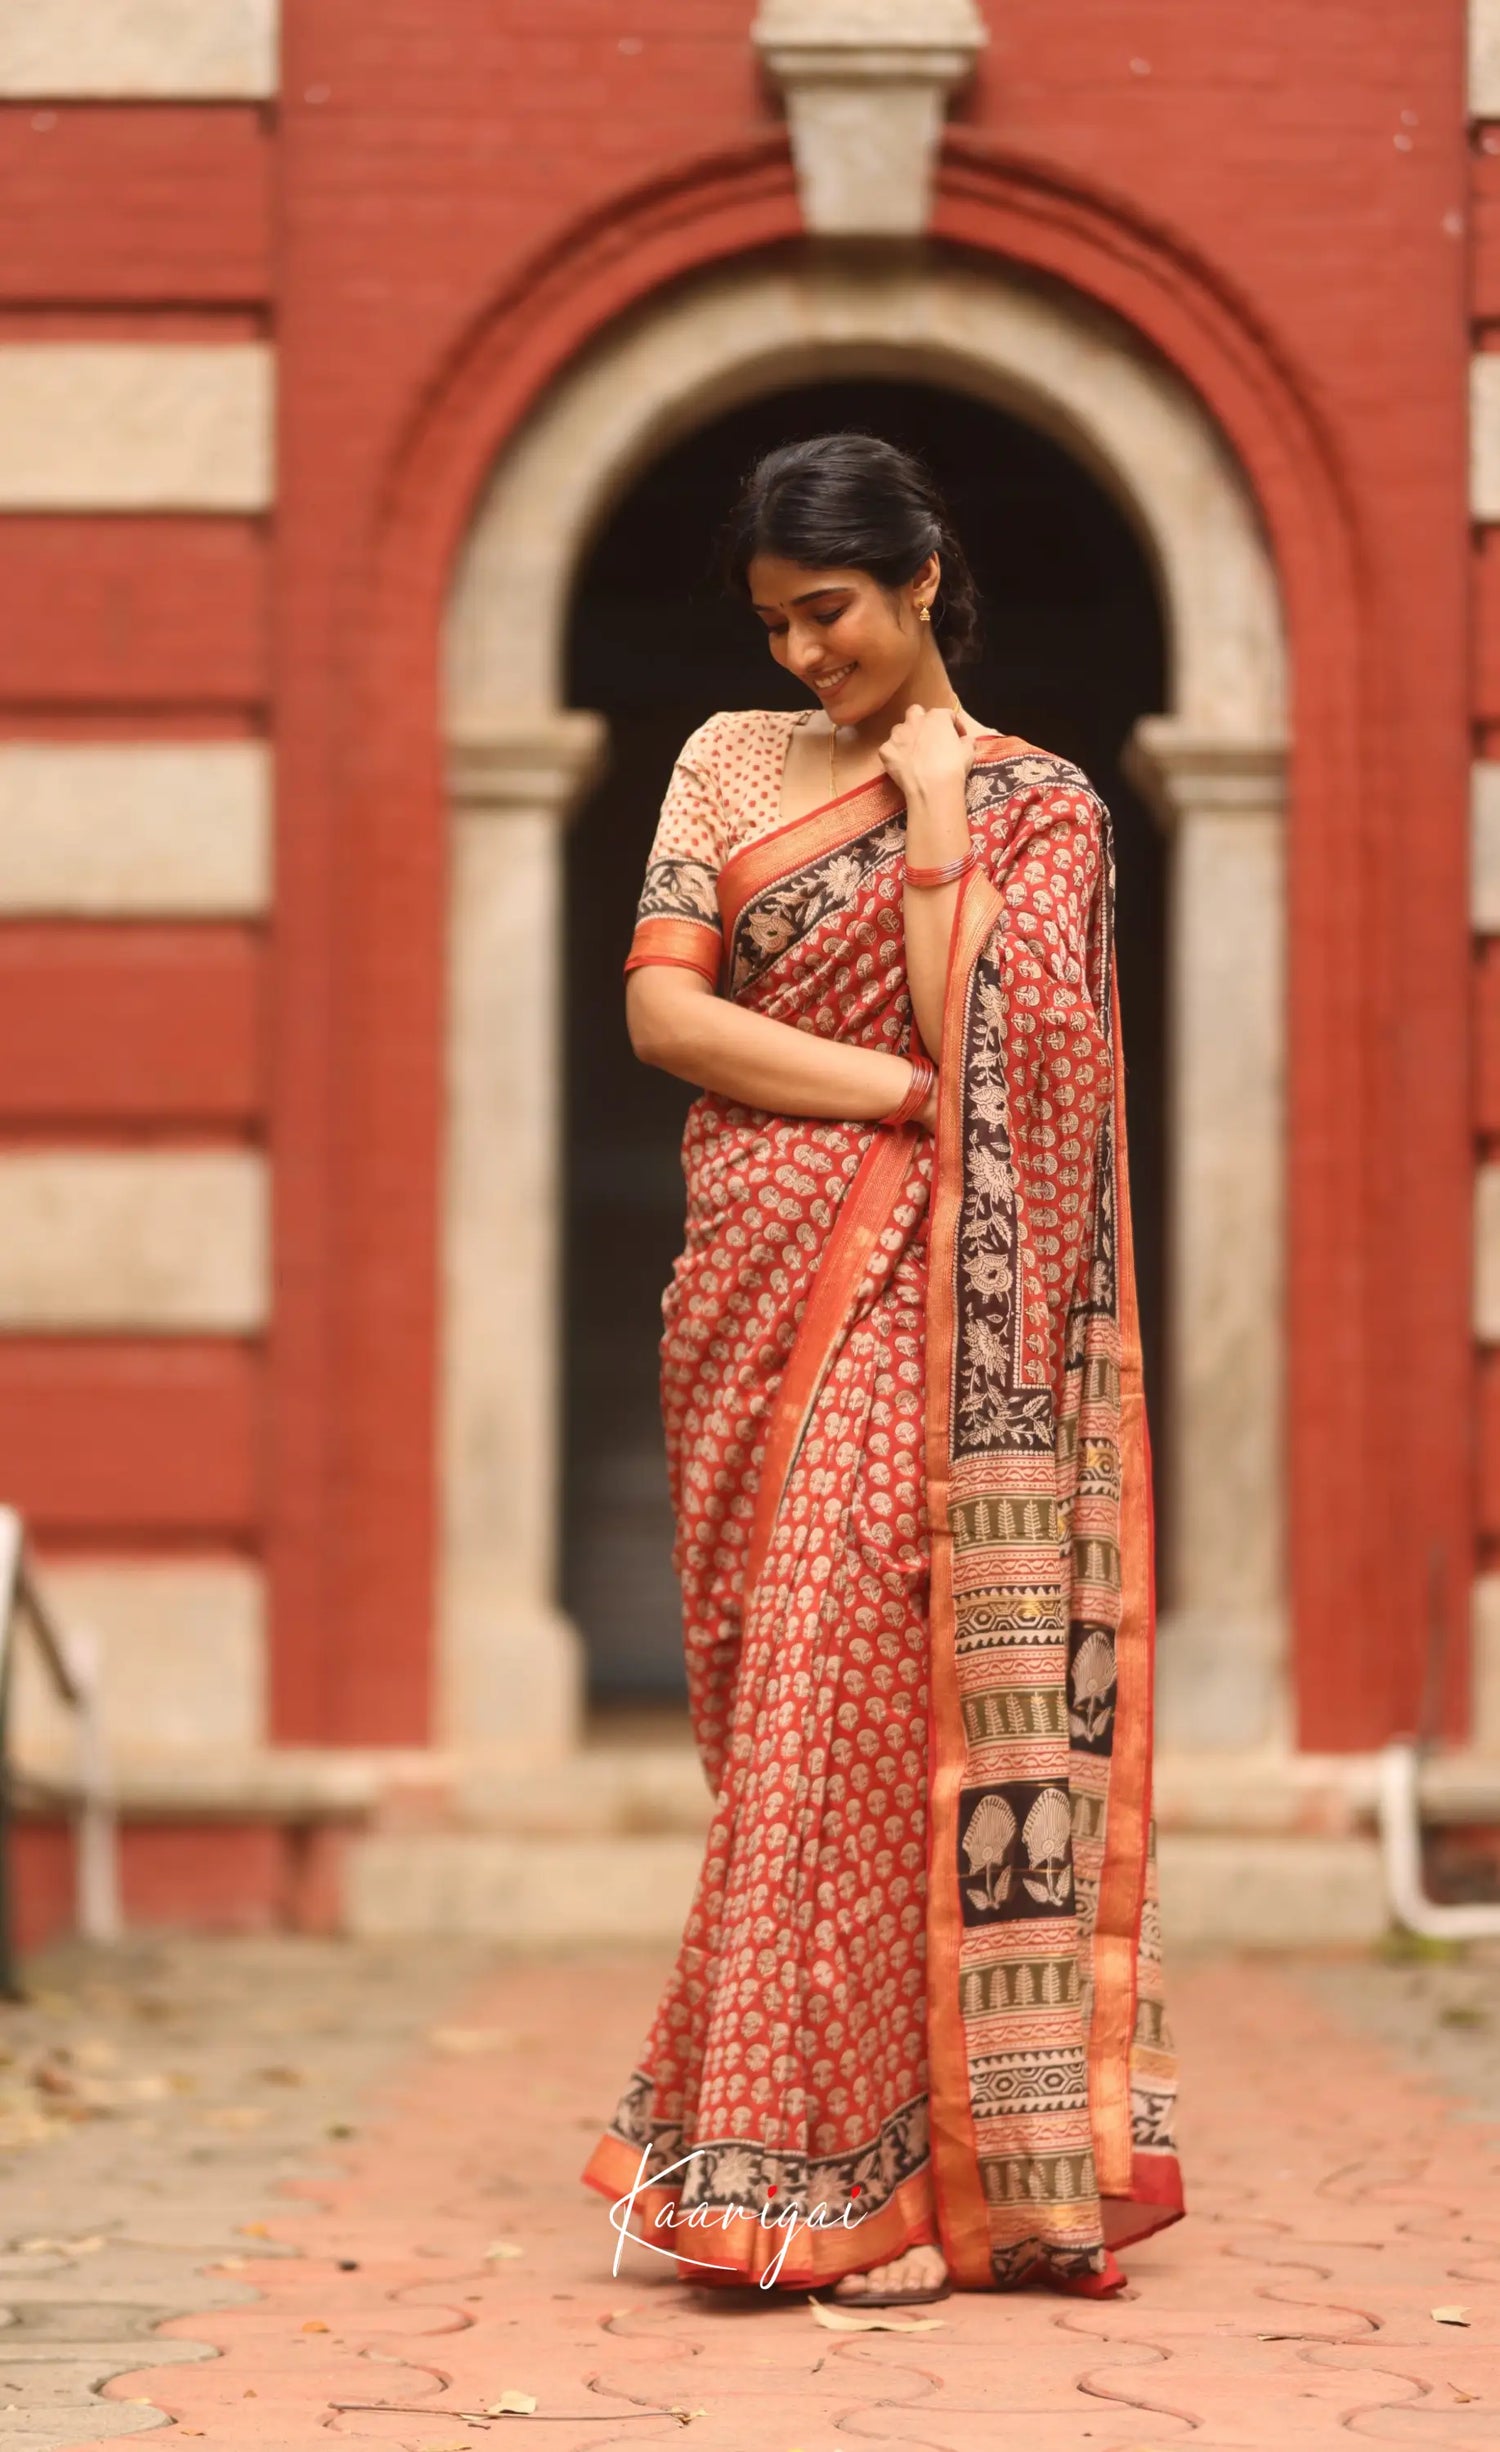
x,y
679,1025
937,832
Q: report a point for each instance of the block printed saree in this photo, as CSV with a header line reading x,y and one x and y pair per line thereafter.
x,y
919,1996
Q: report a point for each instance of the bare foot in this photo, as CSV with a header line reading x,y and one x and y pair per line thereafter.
x,y
918,2269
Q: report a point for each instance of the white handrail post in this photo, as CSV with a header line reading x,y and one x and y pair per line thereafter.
x,y
71,1661
97,1860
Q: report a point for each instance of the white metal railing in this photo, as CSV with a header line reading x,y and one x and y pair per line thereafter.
x,y
70,1660
1399,1807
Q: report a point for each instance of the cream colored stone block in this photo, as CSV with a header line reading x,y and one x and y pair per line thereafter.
x,y
135,426
1487,1254
1484,1636
1484,845
1269,1892
181,1658
865,84
532,1892
104,829
152,1240
1484,59
200,50
1484,436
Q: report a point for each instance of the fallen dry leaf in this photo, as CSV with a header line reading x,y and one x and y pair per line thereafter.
x,y
871,2319
314,2324
502,2247
1450,2315
511,2405
253,2230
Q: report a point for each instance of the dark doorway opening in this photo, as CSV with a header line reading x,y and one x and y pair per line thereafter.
x,y
1073,653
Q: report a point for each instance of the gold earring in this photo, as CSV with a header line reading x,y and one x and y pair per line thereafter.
x,y
924,613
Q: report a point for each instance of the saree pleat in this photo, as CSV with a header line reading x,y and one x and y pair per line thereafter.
x,y
918,1996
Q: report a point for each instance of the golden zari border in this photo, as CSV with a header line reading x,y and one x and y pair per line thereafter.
x,y
771,857
1122,1877
689,945
863,1218
963,2216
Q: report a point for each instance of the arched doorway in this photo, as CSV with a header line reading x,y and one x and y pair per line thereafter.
x,y
1073,656
518,756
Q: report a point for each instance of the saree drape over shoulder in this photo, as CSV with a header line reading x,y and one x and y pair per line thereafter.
x,y
919,1993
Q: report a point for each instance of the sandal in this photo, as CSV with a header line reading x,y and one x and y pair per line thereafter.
x,y
893,2298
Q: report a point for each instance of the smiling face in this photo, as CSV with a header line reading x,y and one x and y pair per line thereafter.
x,y
855,644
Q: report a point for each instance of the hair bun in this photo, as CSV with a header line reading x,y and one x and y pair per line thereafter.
x,y
852,502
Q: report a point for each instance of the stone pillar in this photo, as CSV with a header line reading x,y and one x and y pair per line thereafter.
x,y
1222,1665
511,1672
866,84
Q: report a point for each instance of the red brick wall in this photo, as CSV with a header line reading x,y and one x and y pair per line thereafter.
x,y
460,191
145,221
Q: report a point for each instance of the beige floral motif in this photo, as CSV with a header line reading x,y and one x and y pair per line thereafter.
x,y
987,1842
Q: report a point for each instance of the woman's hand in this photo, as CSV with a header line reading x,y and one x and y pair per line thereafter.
x,y
927,1114
931,747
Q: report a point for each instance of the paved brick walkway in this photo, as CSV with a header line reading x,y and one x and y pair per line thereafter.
x,y
1337,2198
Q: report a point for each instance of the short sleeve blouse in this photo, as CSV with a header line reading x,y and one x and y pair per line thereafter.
x,y
725,790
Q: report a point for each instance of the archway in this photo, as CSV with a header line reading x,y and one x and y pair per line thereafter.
x,y
1073,655
511,1667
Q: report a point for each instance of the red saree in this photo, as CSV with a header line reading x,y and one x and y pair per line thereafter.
x,y
918,1997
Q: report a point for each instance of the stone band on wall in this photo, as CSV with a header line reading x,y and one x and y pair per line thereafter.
x,y
162,1241
181,1645
1484,436
135,426
129,829
1484,59
138,50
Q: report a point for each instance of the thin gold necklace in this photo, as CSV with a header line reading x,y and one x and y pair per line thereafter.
x,y
833,751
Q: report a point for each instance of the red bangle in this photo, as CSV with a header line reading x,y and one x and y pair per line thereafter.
x,y
919,1090
948,874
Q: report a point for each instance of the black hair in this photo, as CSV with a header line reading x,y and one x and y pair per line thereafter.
x,y
852,502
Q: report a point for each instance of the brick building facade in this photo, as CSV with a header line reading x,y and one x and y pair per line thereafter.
x,y
329,349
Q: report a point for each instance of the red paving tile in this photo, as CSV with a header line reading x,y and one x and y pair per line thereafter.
x,y
1336,2201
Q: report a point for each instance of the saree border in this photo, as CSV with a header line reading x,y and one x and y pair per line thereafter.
x,y
863,1217
962,2213
1134,2199
904,2221
1122,1875
780,852
767,857
689,945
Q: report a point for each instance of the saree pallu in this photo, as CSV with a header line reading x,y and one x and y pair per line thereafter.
x,y
918,1997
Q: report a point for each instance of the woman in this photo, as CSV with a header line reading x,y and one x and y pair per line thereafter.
x,y
914,2032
